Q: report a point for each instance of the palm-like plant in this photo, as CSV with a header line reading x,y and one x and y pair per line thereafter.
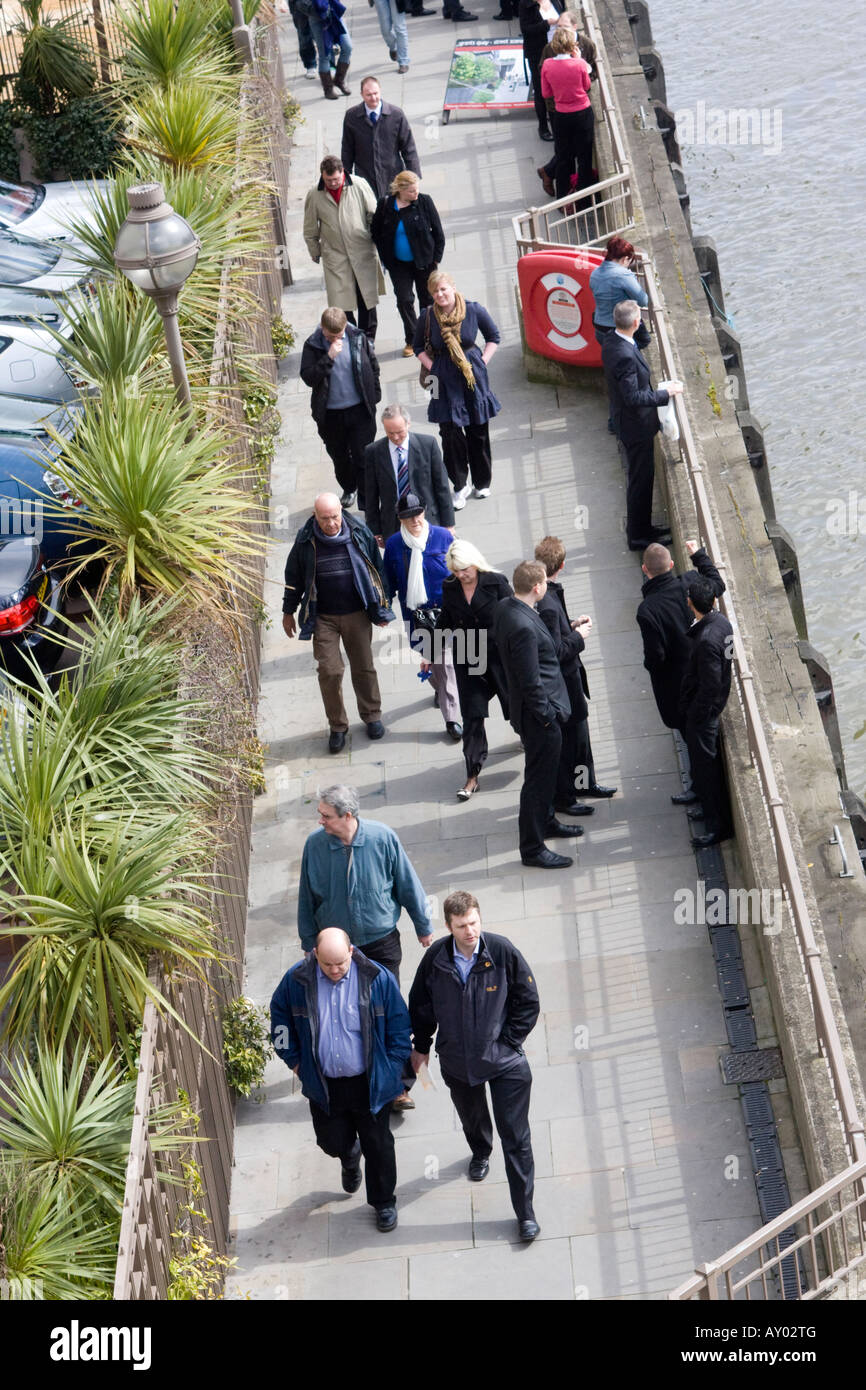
x,y
112,896
48,1243
170,41
162,506
53,60
186,127
116,340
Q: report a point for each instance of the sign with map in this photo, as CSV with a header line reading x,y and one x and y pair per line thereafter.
x,y
487,73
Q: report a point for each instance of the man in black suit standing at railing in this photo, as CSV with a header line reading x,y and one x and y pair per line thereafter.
x,y
634,411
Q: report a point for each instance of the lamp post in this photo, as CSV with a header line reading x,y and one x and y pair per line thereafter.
x,y
157,250
241,32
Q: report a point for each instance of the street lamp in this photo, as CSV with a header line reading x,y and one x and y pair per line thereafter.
x,y
241,32
157,250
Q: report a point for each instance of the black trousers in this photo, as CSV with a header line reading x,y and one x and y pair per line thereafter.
x,y
543,748
640,462
474,744
576,770
465,453
408,280
368,319
533,62
574,136
387,951
708,775
347,1122
509,1094
345,434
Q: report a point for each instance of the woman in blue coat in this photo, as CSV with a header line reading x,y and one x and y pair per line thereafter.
x,y
462,402
415,567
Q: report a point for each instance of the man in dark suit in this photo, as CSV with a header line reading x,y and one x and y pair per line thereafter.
x,y
704,694
634,411
403,462
538,706
569,638
377,140
664,619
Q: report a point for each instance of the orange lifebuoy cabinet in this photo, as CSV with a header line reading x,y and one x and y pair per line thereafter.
x,y
558,305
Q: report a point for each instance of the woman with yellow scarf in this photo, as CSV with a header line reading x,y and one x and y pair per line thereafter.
x,y
462,402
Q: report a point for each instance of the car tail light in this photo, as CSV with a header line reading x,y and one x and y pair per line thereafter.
x,y
58,487
14,619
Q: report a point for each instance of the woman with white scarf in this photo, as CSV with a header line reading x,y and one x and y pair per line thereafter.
x,y
415,567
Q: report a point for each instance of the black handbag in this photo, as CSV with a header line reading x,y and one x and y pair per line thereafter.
x,y
425,377
425,618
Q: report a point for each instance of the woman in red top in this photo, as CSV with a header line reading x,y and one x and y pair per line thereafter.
x,y
565,78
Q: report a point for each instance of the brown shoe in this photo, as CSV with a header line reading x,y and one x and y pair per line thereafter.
x,y
547,182
328,86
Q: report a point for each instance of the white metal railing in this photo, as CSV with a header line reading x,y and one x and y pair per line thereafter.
x,y
789,1256
564,222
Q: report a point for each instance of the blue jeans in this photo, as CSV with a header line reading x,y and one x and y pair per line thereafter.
x,y
322,48
394,29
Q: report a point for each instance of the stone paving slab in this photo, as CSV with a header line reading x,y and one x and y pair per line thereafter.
x,y
631,1120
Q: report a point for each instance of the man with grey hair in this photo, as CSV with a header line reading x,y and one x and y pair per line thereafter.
x,y
355,874
404,462
634,412
334,575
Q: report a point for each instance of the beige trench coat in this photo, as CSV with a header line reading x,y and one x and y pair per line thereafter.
x,y
338,234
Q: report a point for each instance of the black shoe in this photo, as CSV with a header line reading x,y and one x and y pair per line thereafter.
x,y
478,1169
418,14
454,731
684,799
574,808
375,729
465,17
661,534
558,830
350,1172
392,54
348,499
544,133
386,1218
695,813
713,837
596,790
337,741
546,860
529,1230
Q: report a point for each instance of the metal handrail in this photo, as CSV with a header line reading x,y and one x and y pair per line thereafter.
x,y
837,840
704,1283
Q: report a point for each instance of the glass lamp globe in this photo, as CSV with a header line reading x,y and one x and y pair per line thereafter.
x,y
155,247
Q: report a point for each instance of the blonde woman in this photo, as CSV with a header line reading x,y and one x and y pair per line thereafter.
x,y
462,403
469,601
410,241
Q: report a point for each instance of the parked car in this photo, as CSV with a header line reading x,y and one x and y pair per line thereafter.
x,y
45,209
41,265
26,418
30,365
29,607
27,484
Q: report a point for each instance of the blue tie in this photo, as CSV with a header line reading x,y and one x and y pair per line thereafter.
x,y
374,116
402,472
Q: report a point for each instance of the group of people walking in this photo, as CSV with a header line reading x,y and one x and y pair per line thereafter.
x,y
338,1018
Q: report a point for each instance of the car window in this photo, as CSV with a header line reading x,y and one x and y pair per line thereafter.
x,y
19,304
23,259
19,200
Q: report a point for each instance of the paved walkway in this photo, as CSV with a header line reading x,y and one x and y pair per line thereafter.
x,y
637,1141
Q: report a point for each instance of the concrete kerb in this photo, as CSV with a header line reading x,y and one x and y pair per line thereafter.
x,y
782,685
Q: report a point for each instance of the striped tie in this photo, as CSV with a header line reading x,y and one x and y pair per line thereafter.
x,y
402,472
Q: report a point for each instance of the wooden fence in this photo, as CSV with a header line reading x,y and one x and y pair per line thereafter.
x,y
171,1060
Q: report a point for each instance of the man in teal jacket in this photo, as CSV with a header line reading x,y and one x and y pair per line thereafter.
x,y
355,874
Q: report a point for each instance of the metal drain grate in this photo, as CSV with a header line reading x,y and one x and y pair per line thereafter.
x,y
757,1106
732,983
764,1064
740,1027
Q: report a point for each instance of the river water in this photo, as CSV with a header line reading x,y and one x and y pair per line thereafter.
x,y
787,216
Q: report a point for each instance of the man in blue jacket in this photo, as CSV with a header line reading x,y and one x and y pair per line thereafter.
x,y
338,1022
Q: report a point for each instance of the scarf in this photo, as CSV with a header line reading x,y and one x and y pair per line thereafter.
x,y
449,326
416,593
341,538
